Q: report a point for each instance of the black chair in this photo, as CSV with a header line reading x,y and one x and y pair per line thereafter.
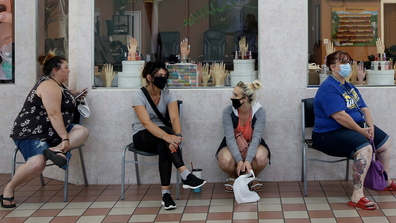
x,y
170,44
308,121
214,46
130,147
15,162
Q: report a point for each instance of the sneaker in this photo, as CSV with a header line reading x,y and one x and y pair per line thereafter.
x,y
168,202
192,182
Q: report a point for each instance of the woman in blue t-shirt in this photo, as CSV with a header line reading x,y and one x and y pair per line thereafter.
x,y
344,126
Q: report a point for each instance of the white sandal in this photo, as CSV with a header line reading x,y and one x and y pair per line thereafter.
x,y
258,184
229,185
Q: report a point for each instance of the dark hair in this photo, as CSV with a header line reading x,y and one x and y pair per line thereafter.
x,y
50,62
335,57
152,68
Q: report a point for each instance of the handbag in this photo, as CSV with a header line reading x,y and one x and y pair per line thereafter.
x,y
166,119
242,144
241,189
376,177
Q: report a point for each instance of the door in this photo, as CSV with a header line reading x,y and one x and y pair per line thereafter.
x,y
390,24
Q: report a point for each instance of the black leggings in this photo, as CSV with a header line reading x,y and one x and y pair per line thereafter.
x,y
145,141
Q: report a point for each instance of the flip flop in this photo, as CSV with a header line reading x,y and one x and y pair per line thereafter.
x,y
391,187
55,158
229,185
7,199
258,185
362,204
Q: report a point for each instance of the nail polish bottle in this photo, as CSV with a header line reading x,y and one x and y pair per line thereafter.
x,y
250,55
129,56
125,56
372,65
236,55
379,65
386,65
136,56
384,57
376,57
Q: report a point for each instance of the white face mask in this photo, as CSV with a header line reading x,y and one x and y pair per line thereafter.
x,y
345,70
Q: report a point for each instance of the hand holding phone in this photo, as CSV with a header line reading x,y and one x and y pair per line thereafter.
x,y
86,89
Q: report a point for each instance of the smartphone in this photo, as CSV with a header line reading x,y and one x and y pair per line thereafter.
x,y
2,9
81,93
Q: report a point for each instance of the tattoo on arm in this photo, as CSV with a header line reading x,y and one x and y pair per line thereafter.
x,y
359,164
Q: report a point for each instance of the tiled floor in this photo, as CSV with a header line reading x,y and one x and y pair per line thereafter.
x,y
280,202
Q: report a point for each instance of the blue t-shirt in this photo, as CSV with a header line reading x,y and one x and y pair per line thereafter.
x,y
332,98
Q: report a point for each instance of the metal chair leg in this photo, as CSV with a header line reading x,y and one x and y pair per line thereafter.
x,y
123,174
347,170
13,169
83,166
42,179
137,169
305,172
66,183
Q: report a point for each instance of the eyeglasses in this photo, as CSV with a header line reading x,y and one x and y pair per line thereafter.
x,y
350,62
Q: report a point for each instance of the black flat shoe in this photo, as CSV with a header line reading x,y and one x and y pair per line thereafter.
x,y
55,158
7,199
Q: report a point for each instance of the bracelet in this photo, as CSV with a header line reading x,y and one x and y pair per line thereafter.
x,y
65,140
178,134
162,134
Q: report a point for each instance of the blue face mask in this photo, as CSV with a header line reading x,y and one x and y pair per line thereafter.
x,y
345,70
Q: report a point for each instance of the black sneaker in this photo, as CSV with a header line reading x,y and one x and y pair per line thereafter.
x,y
192,182
168,202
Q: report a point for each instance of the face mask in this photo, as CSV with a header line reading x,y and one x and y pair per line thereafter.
x,y
160,82
345,70
236,102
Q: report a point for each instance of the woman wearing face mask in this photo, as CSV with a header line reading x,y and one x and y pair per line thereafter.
x,y
151,135
245,116
340,118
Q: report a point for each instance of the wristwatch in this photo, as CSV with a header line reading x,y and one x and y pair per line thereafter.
x,y
178,134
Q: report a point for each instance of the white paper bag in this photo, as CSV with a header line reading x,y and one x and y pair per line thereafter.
x,y
241,189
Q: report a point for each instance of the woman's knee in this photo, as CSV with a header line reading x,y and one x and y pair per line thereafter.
x,y
82,131
36,163
261,159
366,151
226,161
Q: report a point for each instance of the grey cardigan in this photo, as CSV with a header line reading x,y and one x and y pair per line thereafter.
x,y
230,122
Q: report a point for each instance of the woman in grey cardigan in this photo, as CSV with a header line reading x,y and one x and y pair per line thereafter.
x,y
245,117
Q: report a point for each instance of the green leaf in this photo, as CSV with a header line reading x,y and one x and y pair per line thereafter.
x,y
206,15
202,10
220,9
212,6
185,22
207,8
195,15
212,13
199,14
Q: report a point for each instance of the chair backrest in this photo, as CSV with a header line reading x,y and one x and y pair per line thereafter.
x,y
308,112
250,39
170,43
214,45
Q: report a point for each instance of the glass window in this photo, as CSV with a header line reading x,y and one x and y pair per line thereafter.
x,y
53,27
212,28
7,68
356,27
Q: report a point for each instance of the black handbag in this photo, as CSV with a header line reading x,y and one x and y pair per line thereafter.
x,y
166,119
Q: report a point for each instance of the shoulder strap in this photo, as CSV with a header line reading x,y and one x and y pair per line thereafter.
x,y
375,151
163,119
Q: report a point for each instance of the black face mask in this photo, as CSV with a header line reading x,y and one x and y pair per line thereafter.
x,y
236,103
160,82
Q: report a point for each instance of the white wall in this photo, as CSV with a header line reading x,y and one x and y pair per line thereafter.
x,y
283,59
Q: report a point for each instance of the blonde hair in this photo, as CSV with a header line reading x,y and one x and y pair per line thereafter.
x,y
249,89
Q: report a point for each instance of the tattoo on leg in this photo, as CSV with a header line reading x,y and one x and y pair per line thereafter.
x,y
359,164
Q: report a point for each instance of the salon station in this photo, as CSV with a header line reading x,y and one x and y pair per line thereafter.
x,y
210,46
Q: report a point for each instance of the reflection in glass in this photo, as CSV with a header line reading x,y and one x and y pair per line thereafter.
x,y
6,42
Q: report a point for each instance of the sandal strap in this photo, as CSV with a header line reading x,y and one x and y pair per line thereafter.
x,y
8,199
230,179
